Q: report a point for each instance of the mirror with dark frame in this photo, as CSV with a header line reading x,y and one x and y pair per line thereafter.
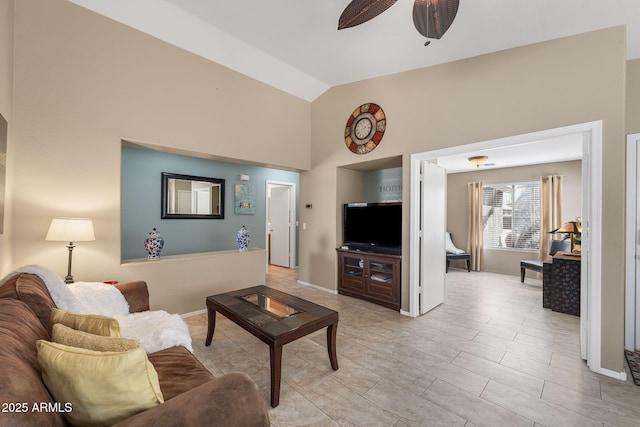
x,y
192,197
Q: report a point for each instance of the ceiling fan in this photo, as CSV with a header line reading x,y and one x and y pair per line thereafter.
x,y
432,18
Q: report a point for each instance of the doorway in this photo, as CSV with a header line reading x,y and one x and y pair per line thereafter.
x,y
590,312
281,230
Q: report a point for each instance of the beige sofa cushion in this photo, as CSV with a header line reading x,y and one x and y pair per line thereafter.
x,y
101,387
91,323
67,336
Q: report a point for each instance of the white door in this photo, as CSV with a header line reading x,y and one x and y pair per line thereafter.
x,y
637,251
632,293
203,202
280,220
636,234
433,223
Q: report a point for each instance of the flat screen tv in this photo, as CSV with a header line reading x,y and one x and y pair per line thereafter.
x,y
373,227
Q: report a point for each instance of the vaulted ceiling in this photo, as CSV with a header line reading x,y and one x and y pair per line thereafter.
x,y
294,45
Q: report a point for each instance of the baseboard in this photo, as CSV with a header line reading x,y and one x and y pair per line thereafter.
x,y
613,374
334,292
193,313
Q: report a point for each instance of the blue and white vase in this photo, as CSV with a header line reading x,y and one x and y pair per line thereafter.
x,y
243,239
153,244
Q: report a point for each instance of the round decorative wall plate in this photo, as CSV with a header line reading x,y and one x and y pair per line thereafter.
x,y
365,128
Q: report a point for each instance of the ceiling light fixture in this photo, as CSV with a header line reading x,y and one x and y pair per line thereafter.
x,y
478,160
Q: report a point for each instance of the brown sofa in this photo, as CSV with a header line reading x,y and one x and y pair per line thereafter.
x,y
192,395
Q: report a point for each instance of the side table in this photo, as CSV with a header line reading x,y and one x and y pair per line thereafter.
x,y
561,284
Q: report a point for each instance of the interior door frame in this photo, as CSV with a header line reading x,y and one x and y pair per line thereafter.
x,y
592,221
292,221
632,293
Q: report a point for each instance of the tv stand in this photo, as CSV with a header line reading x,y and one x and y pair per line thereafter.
x,y
370,276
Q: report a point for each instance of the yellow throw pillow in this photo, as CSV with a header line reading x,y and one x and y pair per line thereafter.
x,y
91,323
67,336
103,388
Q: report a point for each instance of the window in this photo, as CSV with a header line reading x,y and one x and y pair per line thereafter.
x,y
511,215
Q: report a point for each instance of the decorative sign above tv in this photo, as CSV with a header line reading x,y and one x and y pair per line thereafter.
x,y
365,128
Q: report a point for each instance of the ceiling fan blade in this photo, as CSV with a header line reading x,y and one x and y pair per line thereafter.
x,y
433,18
360,11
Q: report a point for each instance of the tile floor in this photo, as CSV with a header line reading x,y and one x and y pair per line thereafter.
x,y
489,356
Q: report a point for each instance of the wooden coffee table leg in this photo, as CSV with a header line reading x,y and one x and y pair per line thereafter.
x,y
331,345
211,315
275,353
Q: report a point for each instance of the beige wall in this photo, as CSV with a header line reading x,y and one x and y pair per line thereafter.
x,y
6,109
176,282
547,85
633,96
350,188
82,84
505,261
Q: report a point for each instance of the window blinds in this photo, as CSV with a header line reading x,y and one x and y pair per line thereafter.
x,y
511,215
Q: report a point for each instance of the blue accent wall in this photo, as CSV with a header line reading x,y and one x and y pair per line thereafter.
x,y
383,185
140,203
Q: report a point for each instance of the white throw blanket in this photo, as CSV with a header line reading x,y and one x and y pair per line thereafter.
x,y
155,330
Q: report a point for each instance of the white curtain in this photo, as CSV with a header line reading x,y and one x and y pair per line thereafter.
x,y
551,210
474,241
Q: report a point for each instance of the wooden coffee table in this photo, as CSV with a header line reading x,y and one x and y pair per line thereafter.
x,y
276,318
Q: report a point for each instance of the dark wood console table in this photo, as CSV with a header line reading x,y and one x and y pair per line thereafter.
x,y
561,283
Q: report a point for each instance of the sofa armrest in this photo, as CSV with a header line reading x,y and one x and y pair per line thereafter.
x,y
229,400
137,295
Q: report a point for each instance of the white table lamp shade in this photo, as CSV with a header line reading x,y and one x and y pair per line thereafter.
x,y
71,230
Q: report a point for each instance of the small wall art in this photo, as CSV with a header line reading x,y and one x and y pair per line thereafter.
x,y
244,202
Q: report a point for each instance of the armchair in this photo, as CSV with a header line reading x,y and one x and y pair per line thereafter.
x,y
454,253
